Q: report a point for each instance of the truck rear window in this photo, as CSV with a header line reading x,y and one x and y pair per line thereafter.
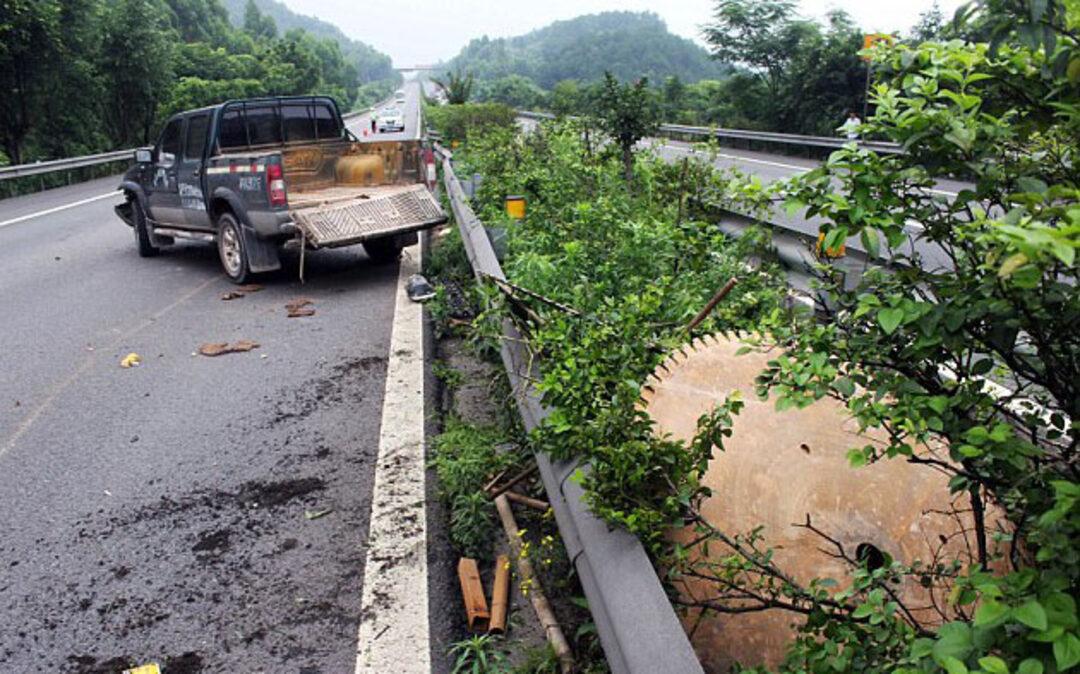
x,y
264,124
232,134
326,123
297,121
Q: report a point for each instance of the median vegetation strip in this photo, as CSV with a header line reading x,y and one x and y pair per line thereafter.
x,y
968,371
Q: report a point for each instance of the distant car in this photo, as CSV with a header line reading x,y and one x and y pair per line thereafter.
x,y
391,120
399,97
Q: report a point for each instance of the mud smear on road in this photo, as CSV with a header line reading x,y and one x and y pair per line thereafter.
x,y
219,568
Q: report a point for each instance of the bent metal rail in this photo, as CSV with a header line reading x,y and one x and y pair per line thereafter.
x,y
634,618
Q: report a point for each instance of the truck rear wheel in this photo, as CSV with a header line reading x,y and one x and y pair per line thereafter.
x,y
231,249
382,250
142,231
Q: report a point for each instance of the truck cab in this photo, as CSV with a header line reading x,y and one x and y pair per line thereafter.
x,y
259,174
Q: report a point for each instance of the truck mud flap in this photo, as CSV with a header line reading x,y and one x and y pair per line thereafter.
x,y
364,219
262,254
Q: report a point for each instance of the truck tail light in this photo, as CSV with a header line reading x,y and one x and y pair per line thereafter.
x,y
275,184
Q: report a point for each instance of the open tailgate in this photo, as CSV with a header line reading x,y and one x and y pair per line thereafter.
x,y
345,222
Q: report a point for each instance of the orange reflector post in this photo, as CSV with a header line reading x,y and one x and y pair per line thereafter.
x,y
515,207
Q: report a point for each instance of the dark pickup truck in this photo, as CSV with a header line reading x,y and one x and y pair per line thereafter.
x,y
258,175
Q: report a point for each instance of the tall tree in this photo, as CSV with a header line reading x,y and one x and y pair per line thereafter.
x,y
930,25
258,25
627,112
29,42
760,34
456,85
136,58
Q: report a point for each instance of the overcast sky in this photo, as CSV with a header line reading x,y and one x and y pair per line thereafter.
x,y
417,32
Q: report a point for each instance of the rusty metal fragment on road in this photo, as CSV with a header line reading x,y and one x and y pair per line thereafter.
x,y
299,308
220,348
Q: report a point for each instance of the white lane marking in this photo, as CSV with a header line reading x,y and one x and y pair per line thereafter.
x,y
56,389
776,164
393,634
50,211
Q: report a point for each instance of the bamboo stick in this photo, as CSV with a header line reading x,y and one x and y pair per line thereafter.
x,y
539,601
528,501
499,595
499,491
472,591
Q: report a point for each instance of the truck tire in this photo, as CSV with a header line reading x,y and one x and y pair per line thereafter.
x,y
142,232
231,249
382,251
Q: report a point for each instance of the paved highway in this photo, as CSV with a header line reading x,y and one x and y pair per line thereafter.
x,y
361,124
192,511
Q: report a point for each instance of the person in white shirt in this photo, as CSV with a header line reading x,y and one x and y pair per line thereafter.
x,y
850,127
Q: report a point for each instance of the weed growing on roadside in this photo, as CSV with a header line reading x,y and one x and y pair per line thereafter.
x,y
478,655
466,456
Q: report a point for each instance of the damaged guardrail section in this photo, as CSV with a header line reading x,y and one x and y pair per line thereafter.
x,y
637,626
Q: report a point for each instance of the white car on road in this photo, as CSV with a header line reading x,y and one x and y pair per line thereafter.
x,y
391,119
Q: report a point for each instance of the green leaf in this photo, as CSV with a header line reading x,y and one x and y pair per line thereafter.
x,y
870,241
1032,614
1030,666
990,612
862,611
953,666
890,318
994,665
1067,651
954,640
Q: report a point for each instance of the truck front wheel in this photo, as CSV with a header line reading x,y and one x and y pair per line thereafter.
x,y
383,250
142,230
231,249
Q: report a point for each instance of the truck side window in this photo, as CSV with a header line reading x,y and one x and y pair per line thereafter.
x,y
232,134
170,142
196,136
264,124
296,118
325,123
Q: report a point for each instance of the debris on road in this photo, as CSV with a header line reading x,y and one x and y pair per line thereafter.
x,y
220,348
300,307
241,291
131,360
418,288
316,514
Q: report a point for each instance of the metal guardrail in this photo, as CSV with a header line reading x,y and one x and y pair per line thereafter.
x,y
633,615
752,136
54,165
38,168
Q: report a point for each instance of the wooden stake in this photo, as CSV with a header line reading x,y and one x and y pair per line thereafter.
x,y
472,591
536,595
704,313
513,481
542,506
499,595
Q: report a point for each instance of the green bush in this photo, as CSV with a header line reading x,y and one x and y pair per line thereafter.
x,y
459,122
